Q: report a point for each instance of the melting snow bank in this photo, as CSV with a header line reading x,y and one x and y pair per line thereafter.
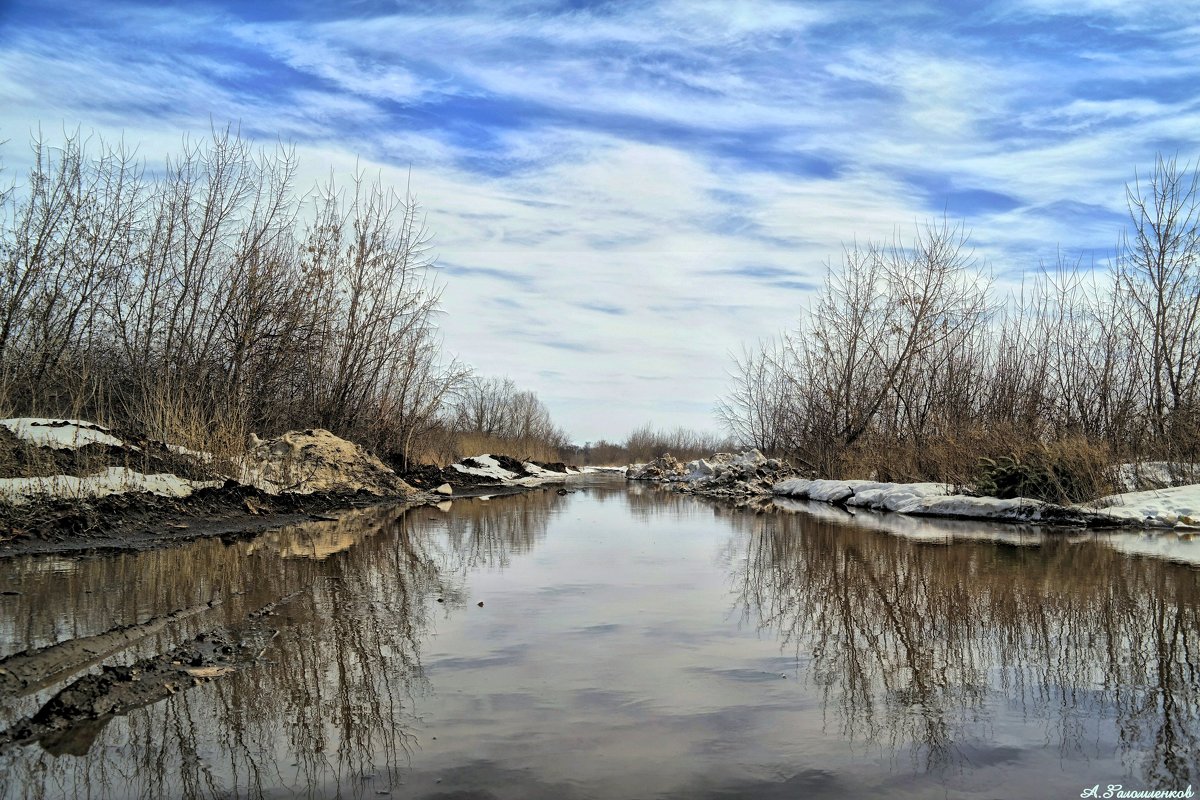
x,y
1164,508
60,434
1177,507
744,476
66,459
113,480
508,471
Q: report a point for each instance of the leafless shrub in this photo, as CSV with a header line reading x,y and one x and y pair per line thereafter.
x,y
491,415
906,366
207,299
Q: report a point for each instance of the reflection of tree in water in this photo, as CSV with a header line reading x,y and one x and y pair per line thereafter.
x,y
911,640
488,533
648,500
327,706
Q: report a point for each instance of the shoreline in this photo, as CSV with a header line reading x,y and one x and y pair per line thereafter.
x,y
749,478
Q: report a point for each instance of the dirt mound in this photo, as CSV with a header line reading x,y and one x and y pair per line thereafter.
x,y
303,462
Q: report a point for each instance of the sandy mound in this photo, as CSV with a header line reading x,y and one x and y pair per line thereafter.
x,y
311,461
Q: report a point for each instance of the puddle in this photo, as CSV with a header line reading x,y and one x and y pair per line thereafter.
x,y
630,643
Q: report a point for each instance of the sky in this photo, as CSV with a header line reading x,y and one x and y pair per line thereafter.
x,y
623,195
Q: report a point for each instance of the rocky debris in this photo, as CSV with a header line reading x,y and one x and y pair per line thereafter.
x,y
663,468
304,462
737,476
445,488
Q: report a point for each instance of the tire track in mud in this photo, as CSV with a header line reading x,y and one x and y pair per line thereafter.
x,y
31,670
69,722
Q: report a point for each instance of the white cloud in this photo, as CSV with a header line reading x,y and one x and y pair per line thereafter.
x,y
604,183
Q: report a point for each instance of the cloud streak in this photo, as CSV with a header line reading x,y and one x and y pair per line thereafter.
x,y
644,187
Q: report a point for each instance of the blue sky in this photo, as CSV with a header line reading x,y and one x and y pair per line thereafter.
x,y
624,193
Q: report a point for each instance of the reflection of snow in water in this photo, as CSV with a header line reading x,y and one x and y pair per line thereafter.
x,y
928,529
1172,545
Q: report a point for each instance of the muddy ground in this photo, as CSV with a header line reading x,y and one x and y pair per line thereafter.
x,y
144,521
68,722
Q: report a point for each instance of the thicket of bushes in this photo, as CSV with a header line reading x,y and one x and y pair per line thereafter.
x,y
910,366
647,442
209,298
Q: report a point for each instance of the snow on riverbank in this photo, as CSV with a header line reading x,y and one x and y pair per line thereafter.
x,y
60,434
918,499
114,480
531,474
1178,506
1161,508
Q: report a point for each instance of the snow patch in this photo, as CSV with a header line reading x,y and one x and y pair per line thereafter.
x,y
60,434
486,466
1178,507
1160,508
114,480
1147,475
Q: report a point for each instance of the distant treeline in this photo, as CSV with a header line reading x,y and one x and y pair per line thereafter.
x,y
910,364
208,298
646,443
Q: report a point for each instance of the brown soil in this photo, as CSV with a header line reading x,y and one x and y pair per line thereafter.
x,y
19,459
145,521
68,723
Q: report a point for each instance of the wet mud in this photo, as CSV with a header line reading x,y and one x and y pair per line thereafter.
x,y
142,521
70,721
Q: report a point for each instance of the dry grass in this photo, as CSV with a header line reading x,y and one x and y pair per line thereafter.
x,y
451,447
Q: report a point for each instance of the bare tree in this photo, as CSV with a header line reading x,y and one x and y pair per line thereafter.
x,y
1158,272
196,304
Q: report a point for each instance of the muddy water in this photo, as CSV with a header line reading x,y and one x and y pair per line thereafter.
x,y
631,643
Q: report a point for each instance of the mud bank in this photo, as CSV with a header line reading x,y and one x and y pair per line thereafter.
x,y
76,486
68,723
143,521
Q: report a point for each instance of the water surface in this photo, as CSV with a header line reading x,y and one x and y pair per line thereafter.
x,y
631,643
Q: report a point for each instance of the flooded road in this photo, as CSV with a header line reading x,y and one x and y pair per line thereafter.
x,y
617,643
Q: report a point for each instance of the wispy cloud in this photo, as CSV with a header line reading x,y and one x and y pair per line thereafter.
x,y
645,186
